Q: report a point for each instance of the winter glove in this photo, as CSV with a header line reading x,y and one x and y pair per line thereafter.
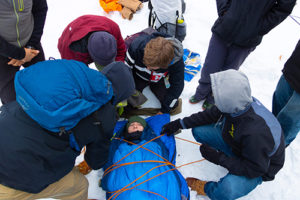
x,y
171,127
133,5
126,13
210,154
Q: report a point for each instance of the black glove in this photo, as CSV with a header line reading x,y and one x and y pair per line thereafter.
x,y
171,127
210,154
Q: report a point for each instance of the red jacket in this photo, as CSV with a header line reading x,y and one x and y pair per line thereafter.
x,y
82,26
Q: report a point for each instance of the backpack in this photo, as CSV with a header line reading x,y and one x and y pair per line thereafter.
x,y
167,17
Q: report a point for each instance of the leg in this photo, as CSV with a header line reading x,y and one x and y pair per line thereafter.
x,y
7,75
231,187
211,135
281,96
74,186
214,60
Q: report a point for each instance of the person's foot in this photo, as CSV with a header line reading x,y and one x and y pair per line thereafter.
x,y
207,105
193,100
196,185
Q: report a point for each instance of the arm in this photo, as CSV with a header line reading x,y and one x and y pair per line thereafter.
x,y
97,151
280,10
222,6
39,12
11,51
176,79
208,116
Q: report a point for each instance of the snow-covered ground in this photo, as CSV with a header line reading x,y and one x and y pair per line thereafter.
x,y
263,68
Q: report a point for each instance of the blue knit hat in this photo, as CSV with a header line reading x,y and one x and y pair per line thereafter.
x,y
102,47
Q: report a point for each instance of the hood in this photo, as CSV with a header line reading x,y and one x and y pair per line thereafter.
x,y
122,81
59,93
231,91
178,49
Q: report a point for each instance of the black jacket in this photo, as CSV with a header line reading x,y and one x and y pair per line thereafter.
x,y
175,71
244,23
32,157
291,70
39,12
255,138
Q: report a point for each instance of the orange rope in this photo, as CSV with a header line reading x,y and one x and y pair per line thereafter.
x,y
130,163
132,152
116,165
188,141
153,193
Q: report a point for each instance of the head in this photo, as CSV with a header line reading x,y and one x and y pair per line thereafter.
x,y
134,128
102,48
122,81
231,91
158,53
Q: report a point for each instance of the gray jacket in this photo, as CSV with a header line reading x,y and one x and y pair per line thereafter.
x,y
17,18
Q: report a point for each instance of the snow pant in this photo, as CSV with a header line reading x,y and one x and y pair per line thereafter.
x,y
73,186
7,76
230,186
286,107
220,57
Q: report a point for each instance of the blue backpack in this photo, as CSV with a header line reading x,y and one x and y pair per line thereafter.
x,y
57,94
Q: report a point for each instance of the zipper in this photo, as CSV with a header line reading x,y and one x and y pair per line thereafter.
x,y
18,20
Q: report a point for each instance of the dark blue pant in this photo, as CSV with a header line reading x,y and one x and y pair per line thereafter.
x,y
286,107
220,57
7,76
230,186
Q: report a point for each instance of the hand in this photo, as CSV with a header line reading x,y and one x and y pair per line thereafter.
x,y
171,127
210,154
15,62
30,54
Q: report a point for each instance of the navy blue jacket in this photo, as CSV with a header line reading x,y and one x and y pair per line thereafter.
x,y
255,138
175,71
291,70
245,22
39,12
32,157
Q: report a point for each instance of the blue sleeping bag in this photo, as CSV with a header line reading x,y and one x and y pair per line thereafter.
x,y
170,185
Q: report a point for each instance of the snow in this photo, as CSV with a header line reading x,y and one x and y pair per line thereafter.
x,y
263,68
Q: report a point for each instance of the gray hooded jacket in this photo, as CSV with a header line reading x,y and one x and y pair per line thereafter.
x,y
231,91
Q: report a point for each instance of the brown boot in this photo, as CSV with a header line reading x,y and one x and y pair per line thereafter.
x,y
84,168
196,185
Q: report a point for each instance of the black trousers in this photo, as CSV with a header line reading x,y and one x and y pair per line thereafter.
x,y
159,88
7,76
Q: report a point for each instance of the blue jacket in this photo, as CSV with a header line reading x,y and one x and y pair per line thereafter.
x,y
53,94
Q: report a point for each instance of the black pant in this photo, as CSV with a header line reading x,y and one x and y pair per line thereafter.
x,y
158,88
7,76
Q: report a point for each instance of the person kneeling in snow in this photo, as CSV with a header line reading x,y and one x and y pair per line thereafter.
x,y
156,60
62,106
238,133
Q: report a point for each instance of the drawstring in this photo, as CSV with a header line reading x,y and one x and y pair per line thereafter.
x,y
21,5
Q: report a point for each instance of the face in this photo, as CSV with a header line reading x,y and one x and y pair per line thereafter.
x,y
135,126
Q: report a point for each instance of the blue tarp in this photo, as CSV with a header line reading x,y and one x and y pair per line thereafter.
x,y
192,64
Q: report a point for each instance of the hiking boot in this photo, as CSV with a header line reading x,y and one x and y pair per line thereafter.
x,y
196,185
84,168
207,105
193,100
177,108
